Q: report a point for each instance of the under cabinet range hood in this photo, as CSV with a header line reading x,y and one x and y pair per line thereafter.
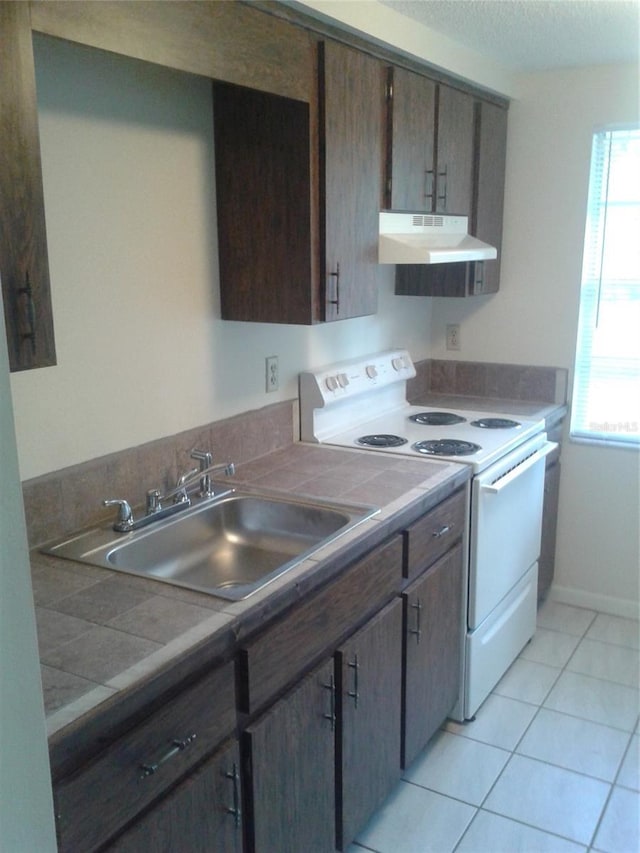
x,y
426,238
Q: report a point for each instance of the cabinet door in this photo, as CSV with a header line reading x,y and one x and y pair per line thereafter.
x,y
369,667
490,165
290,770
432,646
351,163
201,815
454,152
264,206
24,265
410,173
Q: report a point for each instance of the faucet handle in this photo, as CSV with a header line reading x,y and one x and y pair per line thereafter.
x,y
124,520
204,457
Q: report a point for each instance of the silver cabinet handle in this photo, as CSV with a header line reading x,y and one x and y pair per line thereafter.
x,y
355,693
331,716
176,747
417,631
428,188
29,314
443,530
235,808
336,301
442,194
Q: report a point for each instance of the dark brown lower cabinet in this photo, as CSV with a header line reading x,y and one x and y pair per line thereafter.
x,y
201,815
290,770
369,674
546,563
432,648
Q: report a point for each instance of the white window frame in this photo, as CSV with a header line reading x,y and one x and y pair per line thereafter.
x,y
606,383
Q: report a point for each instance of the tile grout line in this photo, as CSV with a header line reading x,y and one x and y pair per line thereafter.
x,y
513,751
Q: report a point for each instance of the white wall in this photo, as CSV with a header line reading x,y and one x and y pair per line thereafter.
x,y
386,26
128,165
533,320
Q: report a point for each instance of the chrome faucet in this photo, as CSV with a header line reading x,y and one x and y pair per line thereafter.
x,y
207,468
181,500
206,461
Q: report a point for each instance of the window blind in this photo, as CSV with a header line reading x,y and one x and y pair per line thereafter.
x,y
606,385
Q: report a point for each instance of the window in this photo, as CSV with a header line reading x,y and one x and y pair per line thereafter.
x,y
606,385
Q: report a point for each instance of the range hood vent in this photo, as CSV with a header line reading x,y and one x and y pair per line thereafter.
x,y
425,238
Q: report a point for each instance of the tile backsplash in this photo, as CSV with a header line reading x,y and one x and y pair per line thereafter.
x,y
67,500
485,379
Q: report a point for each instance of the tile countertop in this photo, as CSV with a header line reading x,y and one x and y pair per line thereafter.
x,y
108,641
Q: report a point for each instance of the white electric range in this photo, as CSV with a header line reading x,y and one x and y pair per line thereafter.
x,y
361,403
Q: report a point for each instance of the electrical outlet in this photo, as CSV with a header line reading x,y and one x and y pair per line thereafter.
x,y
272,375
453,336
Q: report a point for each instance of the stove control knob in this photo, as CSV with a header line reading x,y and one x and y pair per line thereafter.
x,y
372,371
398,363
343,380
331,382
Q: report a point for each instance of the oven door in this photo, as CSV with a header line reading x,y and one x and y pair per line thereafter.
x,y
506,521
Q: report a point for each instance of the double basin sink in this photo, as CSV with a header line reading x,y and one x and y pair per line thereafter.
x,y
229,546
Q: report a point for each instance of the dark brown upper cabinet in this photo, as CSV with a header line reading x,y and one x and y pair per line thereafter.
x,y
473,133
351,113
491,156
24,265
430,145
263,192
298,189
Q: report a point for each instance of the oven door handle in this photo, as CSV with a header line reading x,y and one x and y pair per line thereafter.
x,y
502,482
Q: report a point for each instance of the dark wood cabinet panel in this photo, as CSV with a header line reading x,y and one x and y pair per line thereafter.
x,y
434,533
369,674
351,112
139,767
454,152
277,655
290,770
411,157
223,41
202,815
24,264
432,649
262,145
491,152
288,252
431,146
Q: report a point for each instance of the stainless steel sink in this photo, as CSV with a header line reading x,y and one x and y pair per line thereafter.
x,y
229,547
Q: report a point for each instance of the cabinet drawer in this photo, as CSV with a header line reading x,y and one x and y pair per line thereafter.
x,y
433,534
281,653
101,797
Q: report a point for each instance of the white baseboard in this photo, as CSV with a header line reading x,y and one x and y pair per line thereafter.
x,y
593,601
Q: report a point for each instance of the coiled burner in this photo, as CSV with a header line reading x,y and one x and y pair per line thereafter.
x,y
495,423
446,447
437,418
381,440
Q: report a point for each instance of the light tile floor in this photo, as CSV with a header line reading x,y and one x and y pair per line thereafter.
x,y
551,762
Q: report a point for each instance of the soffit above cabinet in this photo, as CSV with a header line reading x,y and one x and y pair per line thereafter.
x,y
251,48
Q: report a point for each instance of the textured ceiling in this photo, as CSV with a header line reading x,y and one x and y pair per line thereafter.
x,y
528,35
